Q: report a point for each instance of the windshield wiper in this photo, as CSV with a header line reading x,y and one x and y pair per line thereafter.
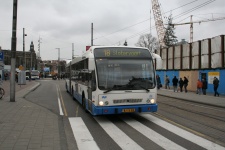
x,y
136,81
145,88
115,87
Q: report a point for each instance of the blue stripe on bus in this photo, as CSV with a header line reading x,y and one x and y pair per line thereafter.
x,y
106,110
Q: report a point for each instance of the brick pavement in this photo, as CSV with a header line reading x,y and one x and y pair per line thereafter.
x,y
25,125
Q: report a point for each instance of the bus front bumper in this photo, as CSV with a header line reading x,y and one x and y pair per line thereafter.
x,y
106,110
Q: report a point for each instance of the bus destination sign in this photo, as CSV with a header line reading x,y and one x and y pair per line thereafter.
x,y
121,52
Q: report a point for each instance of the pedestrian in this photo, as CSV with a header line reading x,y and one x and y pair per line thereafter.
x,y
16,77
167,82
204,86
199,87
181,84
185,84
216,85
175,81
158,81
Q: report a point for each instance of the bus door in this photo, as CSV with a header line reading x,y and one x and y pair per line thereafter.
x,y
91,88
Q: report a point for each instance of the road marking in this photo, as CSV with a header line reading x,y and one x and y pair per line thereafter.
x,y
183,133
64,108
82,135
61,102
117,135
152,135
60,108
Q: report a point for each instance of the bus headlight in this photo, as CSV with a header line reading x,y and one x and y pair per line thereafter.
x,y
101,103
152,101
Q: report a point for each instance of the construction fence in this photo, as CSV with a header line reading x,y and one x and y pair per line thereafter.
x,y
195,60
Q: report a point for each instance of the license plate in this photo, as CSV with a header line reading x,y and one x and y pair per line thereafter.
x,y
128,110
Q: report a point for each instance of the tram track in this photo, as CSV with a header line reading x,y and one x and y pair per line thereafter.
x,y
199,123
203,120
219,118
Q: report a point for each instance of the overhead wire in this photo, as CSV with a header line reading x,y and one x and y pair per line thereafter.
x,y
144,20
184,13
195,8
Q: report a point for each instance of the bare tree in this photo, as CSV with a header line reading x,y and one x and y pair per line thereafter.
x,y
148,41
170,39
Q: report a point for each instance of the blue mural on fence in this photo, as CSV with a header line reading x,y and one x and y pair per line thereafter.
x,y
207,73
170,74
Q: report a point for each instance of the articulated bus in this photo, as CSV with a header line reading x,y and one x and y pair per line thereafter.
x,y
113,80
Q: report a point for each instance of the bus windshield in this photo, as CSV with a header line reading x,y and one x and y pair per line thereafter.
x,y
125,74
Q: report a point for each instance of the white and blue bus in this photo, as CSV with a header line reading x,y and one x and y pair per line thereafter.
x,y
114,80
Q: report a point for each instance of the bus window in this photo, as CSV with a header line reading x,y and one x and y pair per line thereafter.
x,y
93,81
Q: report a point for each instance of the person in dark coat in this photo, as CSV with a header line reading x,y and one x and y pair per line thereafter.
x,y
185,84
167,82
216,85
175,81
181,84
158,81
204,86
16,77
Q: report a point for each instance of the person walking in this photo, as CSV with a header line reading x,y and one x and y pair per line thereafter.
x,y
216,85
204,86
16,77
185,84
167,82
158,81
181,84
175,81
199,87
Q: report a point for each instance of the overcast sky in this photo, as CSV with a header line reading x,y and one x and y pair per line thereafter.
x,y
59,23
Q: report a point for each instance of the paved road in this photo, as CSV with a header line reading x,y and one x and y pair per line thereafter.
x,y
27,125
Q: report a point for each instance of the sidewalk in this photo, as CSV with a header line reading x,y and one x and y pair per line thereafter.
x,y
208,99
25,125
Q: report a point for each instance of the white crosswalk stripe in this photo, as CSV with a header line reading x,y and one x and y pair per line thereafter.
x,y
117,135
85,140
82,135
152,135
183,133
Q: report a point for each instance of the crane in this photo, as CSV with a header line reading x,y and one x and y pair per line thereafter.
x,y
158,22
191,24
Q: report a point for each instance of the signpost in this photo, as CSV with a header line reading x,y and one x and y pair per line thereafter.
x,y
1,60
1,56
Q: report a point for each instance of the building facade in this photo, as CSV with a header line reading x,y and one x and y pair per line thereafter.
x,y
30,58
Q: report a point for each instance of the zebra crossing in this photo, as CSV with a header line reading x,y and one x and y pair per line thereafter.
x,y
183,140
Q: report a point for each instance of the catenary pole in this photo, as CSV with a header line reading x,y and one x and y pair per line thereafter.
x,y
91,34
13,53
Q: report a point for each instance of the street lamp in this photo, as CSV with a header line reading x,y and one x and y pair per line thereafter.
x,y
58,61
24,54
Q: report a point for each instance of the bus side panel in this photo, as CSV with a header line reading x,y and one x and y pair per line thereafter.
x,y
78,97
